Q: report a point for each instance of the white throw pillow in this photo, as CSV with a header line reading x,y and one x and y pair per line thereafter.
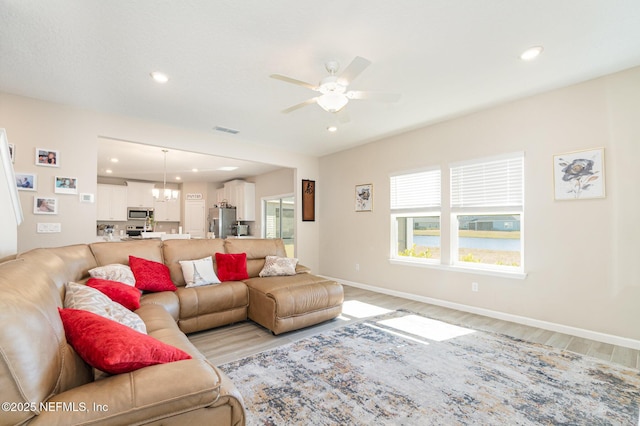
x,y
199,272
114,272
79,296
275,266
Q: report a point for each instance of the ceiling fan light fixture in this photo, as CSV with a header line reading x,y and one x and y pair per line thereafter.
x,y
159,77
332,102
531,53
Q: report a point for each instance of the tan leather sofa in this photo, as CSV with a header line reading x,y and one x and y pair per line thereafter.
x,y
43,381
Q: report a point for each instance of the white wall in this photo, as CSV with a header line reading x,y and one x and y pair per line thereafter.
x,y
74,132
581,256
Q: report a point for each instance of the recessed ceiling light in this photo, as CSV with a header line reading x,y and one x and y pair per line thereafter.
x,y
178,178
227,168
194,170
159,77
332,129
531,53
109,171
114,160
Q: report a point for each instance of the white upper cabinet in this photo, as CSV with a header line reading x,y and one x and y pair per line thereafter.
x,y
112,202
242,195
139,194
167,211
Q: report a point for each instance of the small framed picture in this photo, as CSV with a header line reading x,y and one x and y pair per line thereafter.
x,y
308,200
45,205
12,152
47,157
364,197
66,185
579,175
26,181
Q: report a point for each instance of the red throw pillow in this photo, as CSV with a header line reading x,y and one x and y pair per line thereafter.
x,y
150,275
232,267
112,347
124,294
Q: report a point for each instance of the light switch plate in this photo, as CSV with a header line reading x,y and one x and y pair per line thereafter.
x,y
47,228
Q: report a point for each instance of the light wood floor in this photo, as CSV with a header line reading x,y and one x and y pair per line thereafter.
x,y
225,344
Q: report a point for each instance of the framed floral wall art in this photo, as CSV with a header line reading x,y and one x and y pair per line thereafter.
x,y
579,175
364,197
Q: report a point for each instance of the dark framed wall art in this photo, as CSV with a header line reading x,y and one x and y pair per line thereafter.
x,y
308,200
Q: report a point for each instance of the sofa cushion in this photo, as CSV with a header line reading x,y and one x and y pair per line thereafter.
x,y
119,252
174,251
79,296
257,250
114,272
150,275
275,266
199,272
113,347
35,361
232,267
124,294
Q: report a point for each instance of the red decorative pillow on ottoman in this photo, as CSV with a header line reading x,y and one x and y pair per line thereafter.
x,y
124,294
232,267
112,347
150,275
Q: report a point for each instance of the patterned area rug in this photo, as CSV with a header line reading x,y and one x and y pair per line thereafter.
x,y
405,369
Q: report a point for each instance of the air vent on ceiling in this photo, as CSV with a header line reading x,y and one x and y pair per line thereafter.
x,y
226,130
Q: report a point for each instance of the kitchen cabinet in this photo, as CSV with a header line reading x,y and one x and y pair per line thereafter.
x,y
139,194
167,211
112,202
242,195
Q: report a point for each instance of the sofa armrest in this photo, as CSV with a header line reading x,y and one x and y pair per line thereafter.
x,y
301,269
141,396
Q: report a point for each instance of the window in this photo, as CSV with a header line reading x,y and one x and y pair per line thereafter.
x,y
487,206
415,216
279,221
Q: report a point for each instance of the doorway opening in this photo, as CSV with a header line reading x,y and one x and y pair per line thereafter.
x,y
279,221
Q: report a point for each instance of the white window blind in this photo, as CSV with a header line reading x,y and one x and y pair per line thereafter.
x,y
415,190
488,183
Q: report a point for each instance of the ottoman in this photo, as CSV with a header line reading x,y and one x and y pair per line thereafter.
x,y
288,303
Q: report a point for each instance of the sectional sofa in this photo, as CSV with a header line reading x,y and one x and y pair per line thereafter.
x,y
44,380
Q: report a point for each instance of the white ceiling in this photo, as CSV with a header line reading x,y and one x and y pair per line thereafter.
x,y
144,162
446,58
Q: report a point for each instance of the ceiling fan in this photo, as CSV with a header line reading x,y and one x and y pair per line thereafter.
x,y
333,88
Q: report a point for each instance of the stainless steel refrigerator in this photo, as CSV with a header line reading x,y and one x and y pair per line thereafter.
x,y
222,221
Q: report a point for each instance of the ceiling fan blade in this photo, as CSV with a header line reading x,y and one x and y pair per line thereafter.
x,y
354,69
300,105
294,81
375,96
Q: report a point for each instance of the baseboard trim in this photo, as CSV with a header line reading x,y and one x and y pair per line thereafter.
x,y
559,328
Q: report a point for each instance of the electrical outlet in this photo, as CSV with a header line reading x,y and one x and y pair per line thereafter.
x,y
474,286
357,267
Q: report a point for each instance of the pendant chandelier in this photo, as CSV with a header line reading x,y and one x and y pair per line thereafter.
x,y
167,194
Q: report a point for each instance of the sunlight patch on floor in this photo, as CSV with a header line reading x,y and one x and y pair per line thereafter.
x,y
425,327
357,309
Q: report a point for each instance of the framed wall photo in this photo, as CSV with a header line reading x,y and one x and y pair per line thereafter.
x,y
364,197
26,181
45,205
66,185
308,200
579,175
47,157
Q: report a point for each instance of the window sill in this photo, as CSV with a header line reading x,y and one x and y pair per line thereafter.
x,y
518,275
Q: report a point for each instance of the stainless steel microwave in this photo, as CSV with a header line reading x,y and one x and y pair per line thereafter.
x,y
139,213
